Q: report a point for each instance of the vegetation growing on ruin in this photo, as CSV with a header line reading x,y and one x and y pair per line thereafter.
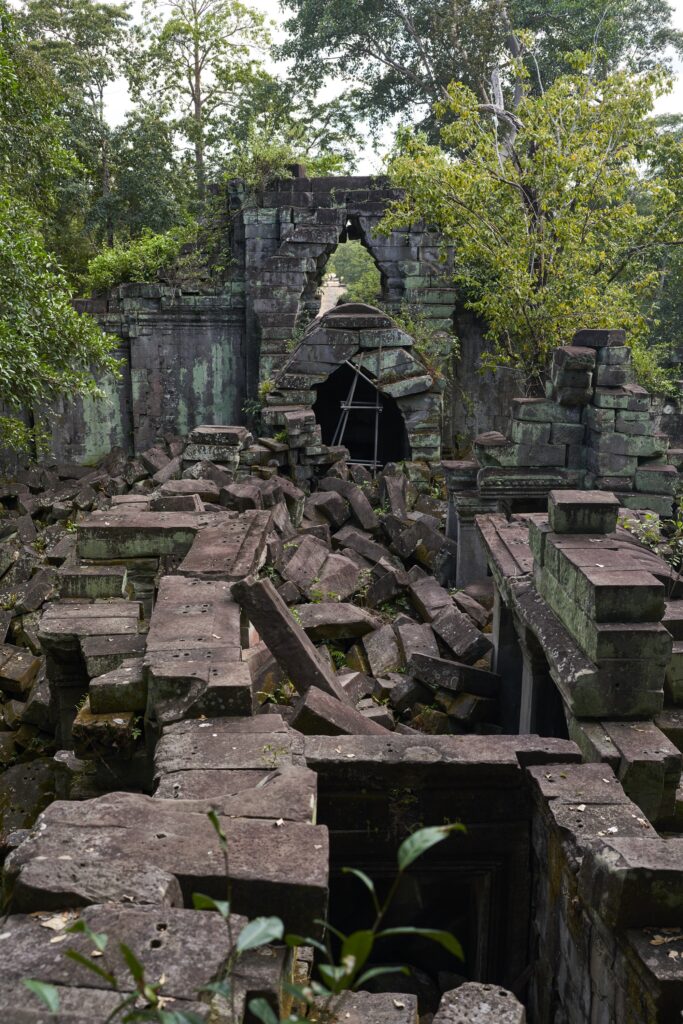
x,y
555,215
341,961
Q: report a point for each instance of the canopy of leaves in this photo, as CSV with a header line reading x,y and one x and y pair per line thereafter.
x,y
46,348
555,227
401,55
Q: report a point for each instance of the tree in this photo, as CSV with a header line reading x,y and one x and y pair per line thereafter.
x,y
151,181
199,62
85,43
355,268
557,228
46,348
401,55
33,157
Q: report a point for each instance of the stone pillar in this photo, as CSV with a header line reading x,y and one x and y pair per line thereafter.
x,y
471,558
507,662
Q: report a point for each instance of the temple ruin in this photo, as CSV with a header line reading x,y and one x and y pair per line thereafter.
x,y
331,634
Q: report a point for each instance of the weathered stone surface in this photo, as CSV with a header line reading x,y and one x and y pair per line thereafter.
x,y
319,714
90,581
18,669
377,1008
439,673
460,636
414,638
188,949
633,882
334,620
104,734
105,653
125,532
382,651
305,564
123,689
25,790
207,490
593,512
285,638
474,1003
274,870
361,509
230,549
73,881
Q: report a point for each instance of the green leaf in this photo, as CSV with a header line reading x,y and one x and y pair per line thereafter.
x,y
202,902
445,939
375,972
422,840
221,988
336,978
356,949
222,838
263,1011
259,932
78,958
133,964
98,939
299,940
48,993
367,882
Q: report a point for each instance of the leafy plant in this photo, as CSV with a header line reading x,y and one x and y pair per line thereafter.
x,y
139,261
348,970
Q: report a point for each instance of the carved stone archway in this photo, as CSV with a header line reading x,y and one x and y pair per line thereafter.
x,y
368,339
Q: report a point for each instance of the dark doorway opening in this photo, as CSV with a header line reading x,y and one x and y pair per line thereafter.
x,y
373,431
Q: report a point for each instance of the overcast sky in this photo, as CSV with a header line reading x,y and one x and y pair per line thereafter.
x,y
118,102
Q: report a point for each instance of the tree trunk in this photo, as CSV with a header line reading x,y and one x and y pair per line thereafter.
x,y
199,129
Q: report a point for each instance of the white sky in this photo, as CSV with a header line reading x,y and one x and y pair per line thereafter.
x,y
118,102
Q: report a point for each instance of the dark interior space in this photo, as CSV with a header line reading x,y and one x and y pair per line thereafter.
x,y
359,433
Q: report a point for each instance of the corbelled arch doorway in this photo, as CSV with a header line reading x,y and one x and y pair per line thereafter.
x,y
356,370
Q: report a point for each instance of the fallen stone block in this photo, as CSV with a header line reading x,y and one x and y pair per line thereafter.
x,y
460,636
103,735
377,1008
240,497
319,714
154,459
273,870
414,638
91,581
365,545
125,532
329,504
18,670
334,620
105,653
230,550
304,566
217,434
439,673
382,651
429,599
206,490
124,689
337,581
285,638
73,881
633,883
361,509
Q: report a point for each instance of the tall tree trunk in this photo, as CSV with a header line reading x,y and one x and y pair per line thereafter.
x,y
199,128
106,176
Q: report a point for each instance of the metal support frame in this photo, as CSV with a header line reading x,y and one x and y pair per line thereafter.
x,y
350,406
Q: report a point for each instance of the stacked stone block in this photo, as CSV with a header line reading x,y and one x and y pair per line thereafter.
x,y
594,429
608,603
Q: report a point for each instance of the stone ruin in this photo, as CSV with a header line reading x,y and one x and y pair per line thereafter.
x,y
261,627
